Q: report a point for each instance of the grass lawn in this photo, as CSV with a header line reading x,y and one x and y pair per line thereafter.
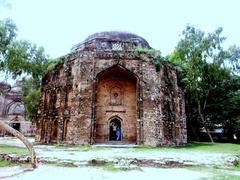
x,y
198,146
13,150
214,147
193,146
231,172
217,173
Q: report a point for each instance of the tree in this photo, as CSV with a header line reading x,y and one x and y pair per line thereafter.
x,y
21,137
7,36
7,39
20,58
203,62
31,96
223,107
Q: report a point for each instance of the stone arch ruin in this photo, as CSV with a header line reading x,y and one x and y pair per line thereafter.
x,y
105,77
12,110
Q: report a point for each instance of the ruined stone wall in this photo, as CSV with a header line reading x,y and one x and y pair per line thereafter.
x,y
55,105
82,105
76,102
172,107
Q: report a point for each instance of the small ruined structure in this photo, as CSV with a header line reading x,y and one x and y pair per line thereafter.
x,y
12,109
110,89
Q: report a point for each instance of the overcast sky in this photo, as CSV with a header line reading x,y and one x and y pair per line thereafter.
x,y
57,25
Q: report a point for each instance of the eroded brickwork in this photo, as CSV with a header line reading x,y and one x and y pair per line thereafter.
x,y
103,87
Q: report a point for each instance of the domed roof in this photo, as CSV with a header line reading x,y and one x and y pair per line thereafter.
x,y
115,36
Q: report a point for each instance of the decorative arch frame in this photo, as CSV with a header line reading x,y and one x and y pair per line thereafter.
x,y
139,97
55,130
8,106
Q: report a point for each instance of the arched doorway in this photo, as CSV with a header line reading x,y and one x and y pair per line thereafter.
x,y
116,96
115,130
65,129
15,123
55,130
16,126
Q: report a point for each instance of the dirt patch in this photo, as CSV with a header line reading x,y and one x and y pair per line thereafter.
x,y
153,163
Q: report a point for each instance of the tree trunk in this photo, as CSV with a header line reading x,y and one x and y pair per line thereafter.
x,y
20,136
209,134
194,132
203,122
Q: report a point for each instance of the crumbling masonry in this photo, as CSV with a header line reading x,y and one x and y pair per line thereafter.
x,y
111,90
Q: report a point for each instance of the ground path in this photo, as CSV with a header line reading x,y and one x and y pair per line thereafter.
x,y
123,157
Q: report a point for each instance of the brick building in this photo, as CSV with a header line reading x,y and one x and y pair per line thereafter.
x,y
110,89
12,110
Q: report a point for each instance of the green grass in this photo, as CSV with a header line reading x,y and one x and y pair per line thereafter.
x,y
225,177
4,163
104,165
197,146
62,164
213,147
13,150
8,139
216,173
193,146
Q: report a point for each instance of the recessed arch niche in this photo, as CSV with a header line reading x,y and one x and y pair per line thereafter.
x,y
116,95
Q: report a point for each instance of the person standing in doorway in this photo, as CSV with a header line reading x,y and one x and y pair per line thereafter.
x,y
118,134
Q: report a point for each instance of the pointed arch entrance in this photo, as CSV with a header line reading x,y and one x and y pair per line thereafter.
x,y
115,129
116,105
55,130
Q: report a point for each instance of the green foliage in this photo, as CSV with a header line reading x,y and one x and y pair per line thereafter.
x,y
7,35
23,58
52,63
153,52
18,57
31,95
158,59
207,81
232,56
156,54
31,102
